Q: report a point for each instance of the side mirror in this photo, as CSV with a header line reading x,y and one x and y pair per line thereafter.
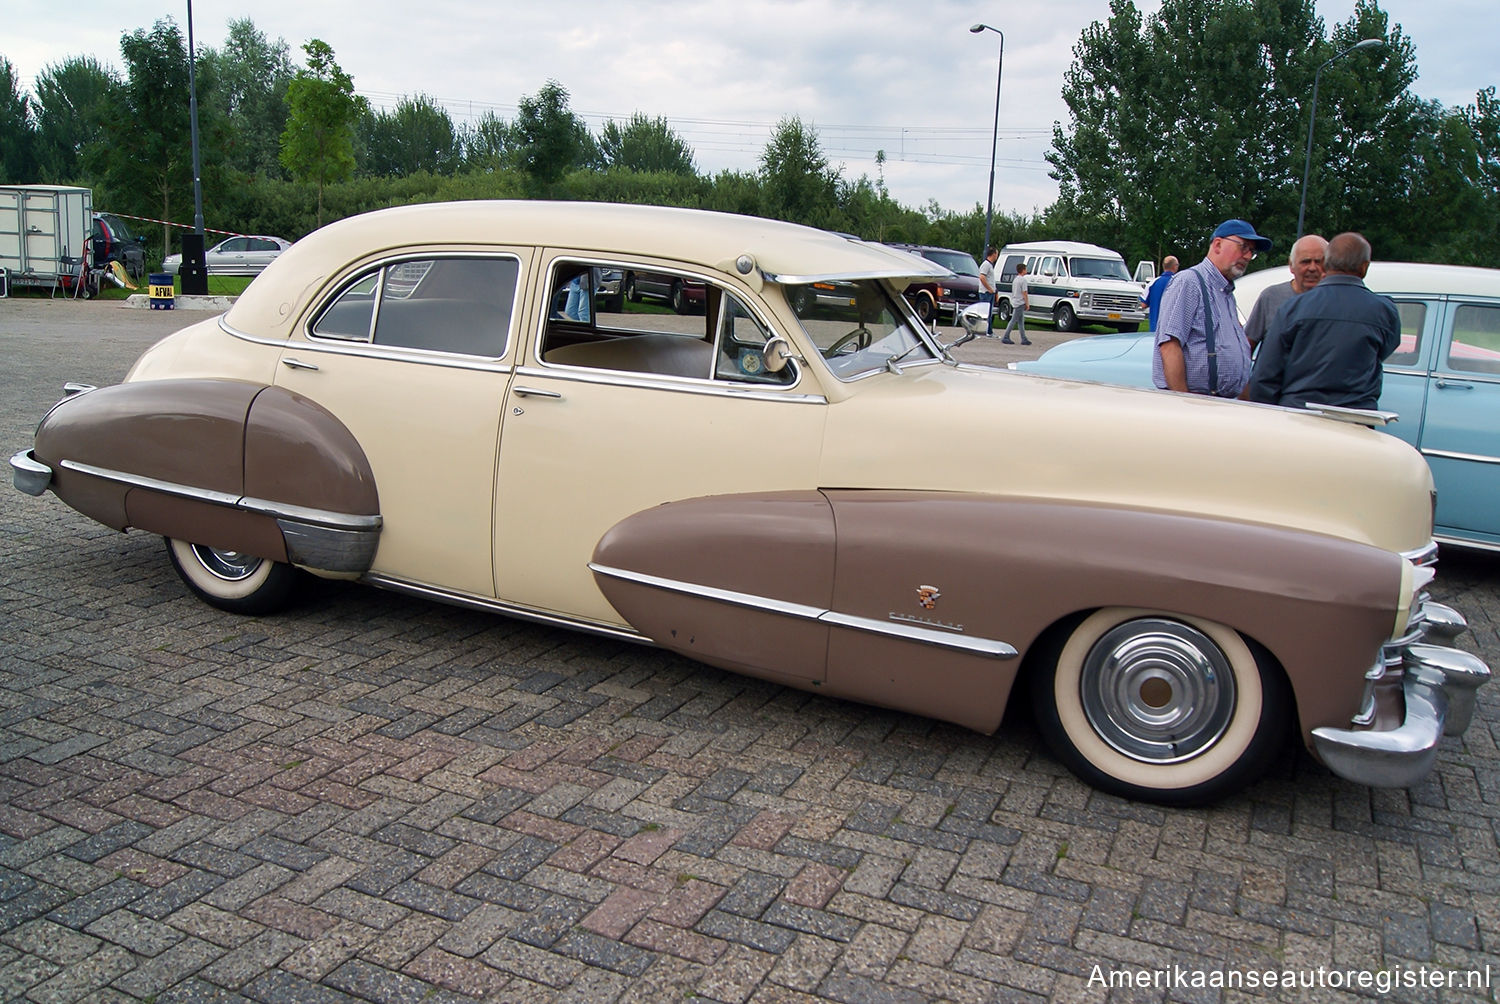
x,y
777,353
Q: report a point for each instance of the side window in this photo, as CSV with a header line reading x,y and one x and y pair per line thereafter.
x,y
233,245
1413,317
1475,347
460,305
742,343
593,322
1008,270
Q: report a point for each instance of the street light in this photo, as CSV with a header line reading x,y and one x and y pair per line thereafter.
x,y
989,206
1312,117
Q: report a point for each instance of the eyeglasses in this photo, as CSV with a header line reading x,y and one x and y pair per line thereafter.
x,y
1245,247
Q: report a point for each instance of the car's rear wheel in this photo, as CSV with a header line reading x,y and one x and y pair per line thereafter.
x,y
678,300
1161,707
925,309
1067,320
1003,311
631,293
229,580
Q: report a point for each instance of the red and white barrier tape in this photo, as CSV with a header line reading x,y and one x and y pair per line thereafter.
x,y
180,226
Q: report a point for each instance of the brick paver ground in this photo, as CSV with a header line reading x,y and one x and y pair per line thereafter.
x,y
375,798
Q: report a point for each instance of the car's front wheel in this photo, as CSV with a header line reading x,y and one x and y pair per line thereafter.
x,y
1067,320
631,293
1161,707
232,581
925,308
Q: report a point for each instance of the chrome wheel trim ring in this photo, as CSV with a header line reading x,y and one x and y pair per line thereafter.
x,y
230,566
1158,691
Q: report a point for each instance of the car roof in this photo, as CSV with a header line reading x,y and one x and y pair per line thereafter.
x,y
711,242
1391,278
1060,247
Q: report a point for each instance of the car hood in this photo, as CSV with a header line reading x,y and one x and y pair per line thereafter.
x,y
1094,348
967,428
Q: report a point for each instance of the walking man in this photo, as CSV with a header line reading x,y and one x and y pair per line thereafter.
x,y
1020,299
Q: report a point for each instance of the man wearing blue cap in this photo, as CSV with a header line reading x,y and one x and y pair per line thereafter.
x,y
1200,344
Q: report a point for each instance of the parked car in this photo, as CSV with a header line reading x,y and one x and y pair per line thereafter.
x,y
798,498
950,294
684,294
112,241
240,255
1071,284
1443,381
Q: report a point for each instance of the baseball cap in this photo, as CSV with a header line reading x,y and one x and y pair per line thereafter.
x,y
1244,231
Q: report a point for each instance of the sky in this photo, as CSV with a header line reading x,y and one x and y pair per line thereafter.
x,y
903,76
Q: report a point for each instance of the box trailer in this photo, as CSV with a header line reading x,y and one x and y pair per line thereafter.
x,y
44,234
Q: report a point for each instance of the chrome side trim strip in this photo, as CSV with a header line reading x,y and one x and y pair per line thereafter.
x,y
906,632
278,510
1478,458
681,385
494,606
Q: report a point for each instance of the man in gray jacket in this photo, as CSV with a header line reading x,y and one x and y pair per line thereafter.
x,y
1327,345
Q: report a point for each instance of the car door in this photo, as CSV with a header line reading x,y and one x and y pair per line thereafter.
x,y
258,253
1043,285
1461,429
227,256
621,413
1404,382
411,353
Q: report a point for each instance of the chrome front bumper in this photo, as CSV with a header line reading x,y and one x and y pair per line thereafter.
x,y
1439,686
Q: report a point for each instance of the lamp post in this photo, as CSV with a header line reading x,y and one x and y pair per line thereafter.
x,y
1312,117
194,269
989,206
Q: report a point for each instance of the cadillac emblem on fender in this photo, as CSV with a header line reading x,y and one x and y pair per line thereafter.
x,y
927,596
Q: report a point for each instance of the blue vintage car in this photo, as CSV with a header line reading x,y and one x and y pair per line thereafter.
x,y
1443,381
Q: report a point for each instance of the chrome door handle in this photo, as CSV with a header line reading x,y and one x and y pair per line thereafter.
x,y
1454,384
534,392
298,364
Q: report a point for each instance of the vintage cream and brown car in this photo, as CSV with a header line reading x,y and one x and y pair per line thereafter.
x,y
823,499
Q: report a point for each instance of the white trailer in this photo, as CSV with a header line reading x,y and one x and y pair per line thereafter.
x,y
44,234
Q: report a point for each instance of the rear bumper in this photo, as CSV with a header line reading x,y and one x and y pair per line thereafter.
x,y
1439,685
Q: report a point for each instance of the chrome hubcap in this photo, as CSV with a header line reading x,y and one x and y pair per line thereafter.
x,y
1157,690
231,566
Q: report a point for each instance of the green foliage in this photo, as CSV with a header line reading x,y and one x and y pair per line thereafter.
x,y
17,132
490,144
253,75
74,102
318,144
796,181
549,140
144,164
645,145
417,136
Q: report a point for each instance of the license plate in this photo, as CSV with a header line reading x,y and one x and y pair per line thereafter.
x,y
1114,317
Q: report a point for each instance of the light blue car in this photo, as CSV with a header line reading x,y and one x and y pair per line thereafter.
x,y
1443,381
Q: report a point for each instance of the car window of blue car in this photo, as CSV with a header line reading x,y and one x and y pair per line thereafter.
x,y
1475,346
1409,352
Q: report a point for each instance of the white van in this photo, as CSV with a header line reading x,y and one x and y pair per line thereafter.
x,y
1072,283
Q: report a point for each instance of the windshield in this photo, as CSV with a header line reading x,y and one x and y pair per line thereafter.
x,y
954,261
860,329
1100,268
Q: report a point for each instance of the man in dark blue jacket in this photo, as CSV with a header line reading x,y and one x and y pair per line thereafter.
x,y
1327,345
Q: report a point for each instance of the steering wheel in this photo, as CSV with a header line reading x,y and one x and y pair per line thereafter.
x,y
860,337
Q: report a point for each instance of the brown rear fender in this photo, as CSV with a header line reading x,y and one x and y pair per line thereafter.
x,y
226,463
923,601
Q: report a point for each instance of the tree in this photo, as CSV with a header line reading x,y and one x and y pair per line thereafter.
x,y
796,181
549,139
74,100
417,136
17,131
253,75
146,161
318,143
490,144
645,145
